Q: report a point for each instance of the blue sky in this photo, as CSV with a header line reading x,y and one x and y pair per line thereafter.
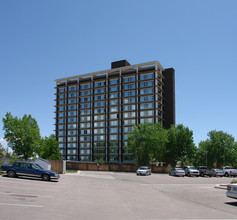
x,y
41,41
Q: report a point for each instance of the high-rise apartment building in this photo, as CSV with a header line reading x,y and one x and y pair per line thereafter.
x,y
95,111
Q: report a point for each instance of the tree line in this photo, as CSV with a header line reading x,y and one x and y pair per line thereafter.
x,y
151,142
23,137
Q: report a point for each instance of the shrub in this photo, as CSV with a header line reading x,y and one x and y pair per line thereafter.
x,y
233,181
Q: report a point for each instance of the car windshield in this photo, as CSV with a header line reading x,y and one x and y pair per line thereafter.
x,y
38,166
192,168
143,168
179,169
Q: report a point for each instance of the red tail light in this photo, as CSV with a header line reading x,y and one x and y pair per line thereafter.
x,y
228,188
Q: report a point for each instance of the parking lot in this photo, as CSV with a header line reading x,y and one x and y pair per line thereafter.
x,y
108,195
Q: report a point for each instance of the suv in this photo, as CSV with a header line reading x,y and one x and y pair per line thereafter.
x,y
191,171
204,171
144,171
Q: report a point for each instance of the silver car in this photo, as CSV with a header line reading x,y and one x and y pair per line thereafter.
x,y
232,191
191,171
218,172
144,171
177,172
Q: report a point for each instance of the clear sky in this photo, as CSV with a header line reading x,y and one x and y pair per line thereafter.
x,y
42,40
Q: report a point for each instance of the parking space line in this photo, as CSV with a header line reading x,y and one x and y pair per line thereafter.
x,y
30,195
12,204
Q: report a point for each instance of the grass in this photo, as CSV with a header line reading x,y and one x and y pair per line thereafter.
x,y
71,171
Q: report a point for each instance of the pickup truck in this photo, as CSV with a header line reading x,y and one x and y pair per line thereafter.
x,y
204,171
28,169
228,171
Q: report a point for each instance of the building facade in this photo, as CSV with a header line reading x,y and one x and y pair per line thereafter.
x,y
94,112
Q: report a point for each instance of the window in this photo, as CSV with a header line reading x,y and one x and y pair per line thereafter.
x,y
72,126
113,109
113,144
99,138
60,127
61,114
130,93
85,138
113,130
147,120
113,81
98,91
82,132
113,123
85,112
71,139
85,86
99,151
72,101
99,131
113,89
71,152
72,88
99,97
146,98
99,145
129,115
145,84
61,145
88,92
71,120
129,79
60,133
99,124
146,91
72,145
114,102
72,95
113,151
99,110
146,113
84,145
99,104
85,118
73,132
147,105
113,116
87,105
73,113
62,108
125,137
85,151
146,76
113,95
99,117
61,120
62,102
127,129
86,99
129,107
72,107
61,96
113,159
129,86
85,158
61,139
113,137
129,122
98,84
84,125
60,90
129,100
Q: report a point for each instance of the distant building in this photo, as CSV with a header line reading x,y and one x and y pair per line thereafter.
x,y
95,111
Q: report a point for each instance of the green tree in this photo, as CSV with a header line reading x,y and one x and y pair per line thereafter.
x,y
218,150
180,145
147,143
22,135
2,151
48,148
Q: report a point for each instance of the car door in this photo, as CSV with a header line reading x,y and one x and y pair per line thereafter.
x,y
32,170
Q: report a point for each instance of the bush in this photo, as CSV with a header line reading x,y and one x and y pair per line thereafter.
x,y
233,181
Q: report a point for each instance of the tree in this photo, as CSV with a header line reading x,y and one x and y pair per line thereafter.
x,y
22,135
48,148
147,143
180,145
2,151
218,150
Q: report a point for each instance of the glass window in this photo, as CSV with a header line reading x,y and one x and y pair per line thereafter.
x,y
113,109
71,152
147,120
72,101
113,137
87,105
72,126
73,113
99,145
84,145
146,91
129,122
113,95
70,120
99,117
61,139
130,93
62,102
114,102
99,124
113,81
85,112
113,123
146,113
61,114
88,92
99,138
85,158
129,107
72,88
129,86
146,76
60,127
99,104
73,132
86,99
61,145
61,108
84,125
146,98
85,118
60,133
61,120
99,131
127,129
113,159
85,138
72,95
113,130
147,105
113,144
145,84
99,97
129,79
98,84
113,88
129,115
71,139
129,100
87,151
85,86
71,145
61,96
82,132
72,107
99,110
98,91
60,90
113,116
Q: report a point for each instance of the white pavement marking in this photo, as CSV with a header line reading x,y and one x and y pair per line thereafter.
x,y
12,204
30,195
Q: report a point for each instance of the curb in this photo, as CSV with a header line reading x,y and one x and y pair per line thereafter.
x,y
221,186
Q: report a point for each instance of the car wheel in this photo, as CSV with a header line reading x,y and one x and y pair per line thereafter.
x,y
202,175
45,177
189,174
227,174
11,173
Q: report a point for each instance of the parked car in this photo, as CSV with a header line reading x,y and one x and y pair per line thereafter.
x,y
228,171
204,171
191,171
177,172
29,169
232,191
144,171
218,172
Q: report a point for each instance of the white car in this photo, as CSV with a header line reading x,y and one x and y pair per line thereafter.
x,y
144,171
177,172
191,171
218,172
232,191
